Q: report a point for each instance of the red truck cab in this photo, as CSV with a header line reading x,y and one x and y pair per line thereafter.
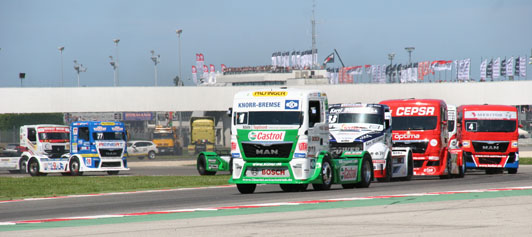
x,y
488,136
421,124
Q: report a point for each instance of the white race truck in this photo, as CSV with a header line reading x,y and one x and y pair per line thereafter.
x,y
367,127
44,143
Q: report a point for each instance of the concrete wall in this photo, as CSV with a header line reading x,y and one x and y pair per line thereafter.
x,y
111,99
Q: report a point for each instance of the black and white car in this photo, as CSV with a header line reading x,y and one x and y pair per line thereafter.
x,y
142,149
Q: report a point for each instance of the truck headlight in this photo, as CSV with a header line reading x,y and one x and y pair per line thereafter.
x,y
48,146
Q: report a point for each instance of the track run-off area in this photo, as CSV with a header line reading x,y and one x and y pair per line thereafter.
x,y
478,204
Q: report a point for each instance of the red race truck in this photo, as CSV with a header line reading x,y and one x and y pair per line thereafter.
x,y
421,124
488,136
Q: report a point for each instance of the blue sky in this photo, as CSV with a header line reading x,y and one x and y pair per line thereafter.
x,y
244,33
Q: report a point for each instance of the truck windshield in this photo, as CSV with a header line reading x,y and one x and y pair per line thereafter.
x,y
108,136
269,118
490,125
53,136
356,118
414,123
162,136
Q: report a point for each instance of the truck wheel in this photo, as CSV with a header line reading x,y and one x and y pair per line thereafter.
x,y
389,167
367,172
447,168
114,172
23,165
74,167
326,176
410,163
201,165
33,168
246,188
512,171
151,155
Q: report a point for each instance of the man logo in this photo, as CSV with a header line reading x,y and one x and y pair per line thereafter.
x,y
267,152
291,104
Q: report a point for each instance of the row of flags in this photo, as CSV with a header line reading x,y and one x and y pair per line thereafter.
x,y
507,67
208,76
295,59
418,71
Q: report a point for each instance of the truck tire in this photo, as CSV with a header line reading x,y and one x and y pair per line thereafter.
x,y
246,188
447,168
389,167
114,172
326,176
151,155
410,163
23,165
201,165
366,174
74,167
33,168
512,170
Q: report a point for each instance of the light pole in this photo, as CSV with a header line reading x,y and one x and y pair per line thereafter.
x,y
113,64
410,50
390,57
156,60
61,48
117,80
79,68
178,32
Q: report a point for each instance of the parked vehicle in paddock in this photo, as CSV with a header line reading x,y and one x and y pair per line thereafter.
x,y
94,146
281,136
421,124
202,134
488,136
368,127
142,149
45,143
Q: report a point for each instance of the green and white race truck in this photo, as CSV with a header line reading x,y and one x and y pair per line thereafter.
x,y
281,136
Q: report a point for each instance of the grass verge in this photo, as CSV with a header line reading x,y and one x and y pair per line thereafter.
x,y
27,187
525,160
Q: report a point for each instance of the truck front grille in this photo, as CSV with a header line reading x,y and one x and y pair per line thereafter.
x,y
339,148
56,151
489,160
275,150
485,146
417,146
111,152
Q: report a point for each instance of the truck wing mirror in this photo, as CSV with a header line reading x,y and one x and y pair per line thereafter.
x,y
444,122
521,126
230,112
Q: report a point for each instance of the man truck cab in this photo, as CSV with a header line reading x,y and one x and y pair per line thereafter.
x,y
488,136
421,124
281,136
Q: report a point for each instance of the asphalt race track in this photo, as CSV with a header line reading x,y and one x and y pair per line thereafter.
x,y
230,198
